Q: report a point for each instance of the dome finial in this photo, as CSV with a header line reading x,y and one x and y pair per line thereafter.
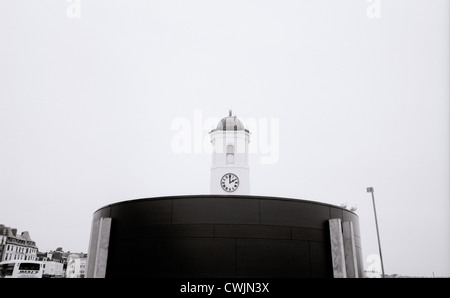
x,y
230,113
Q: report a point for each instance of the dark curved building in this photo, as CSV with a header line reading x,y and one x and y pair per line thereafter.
x,y
224,236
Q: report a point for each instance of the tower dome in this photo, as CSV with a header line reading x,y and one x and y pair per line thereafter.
x,y
230,123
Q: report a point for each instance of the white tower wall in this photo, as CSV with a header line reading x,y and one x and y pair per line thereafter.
x,y
230,155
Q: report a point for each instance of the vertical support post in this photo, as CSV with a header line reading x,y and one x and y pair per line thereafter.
x,y
102,248
98,248
92,249
349,250
337,248
360,263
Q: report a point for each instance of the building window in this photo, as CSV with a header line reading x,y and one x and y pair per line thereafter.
x,y
230,154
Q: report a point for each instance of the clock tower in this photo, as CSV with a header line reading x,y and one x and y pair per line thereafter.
x,y
230,170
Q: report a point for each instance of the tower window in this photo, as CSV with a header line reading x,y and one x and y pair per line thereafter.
x,y
230,154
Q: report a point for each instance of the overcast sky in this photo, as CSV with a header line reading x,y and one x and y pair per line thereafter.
x,y
91,93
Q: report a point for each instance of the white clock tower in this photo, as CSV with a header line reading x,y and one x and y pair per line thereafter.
x,y
230,170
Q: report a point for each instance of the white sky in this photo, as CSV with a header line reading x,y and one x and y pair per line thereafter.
x,y
87,105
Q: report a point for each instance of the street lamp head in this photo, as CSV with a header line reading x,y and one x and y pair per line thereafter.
x,y
370,189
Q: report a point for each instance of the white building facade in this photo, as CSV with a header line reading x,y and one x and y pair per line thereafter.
x,y
76,266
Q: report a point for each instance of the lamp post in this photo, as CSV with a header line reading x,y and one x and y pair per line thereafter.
x,y
370,189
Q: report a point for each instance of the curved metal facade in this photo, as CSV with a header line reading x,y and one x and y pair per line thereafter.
x,y
221,236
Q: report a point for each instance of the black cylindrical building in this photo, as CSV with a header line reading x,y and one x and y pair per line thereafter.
x,y
218,236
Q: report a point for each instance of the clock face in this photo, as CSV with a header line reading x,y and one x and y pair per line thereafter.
x,y
229,182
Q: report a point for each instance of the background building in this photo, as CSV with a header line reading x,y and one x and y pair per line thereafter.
x,y
76,265
63,264
16,247
3,237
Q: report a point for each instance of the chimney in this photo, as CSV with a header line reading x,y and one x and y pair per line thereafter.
x,y
25,235
14,232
